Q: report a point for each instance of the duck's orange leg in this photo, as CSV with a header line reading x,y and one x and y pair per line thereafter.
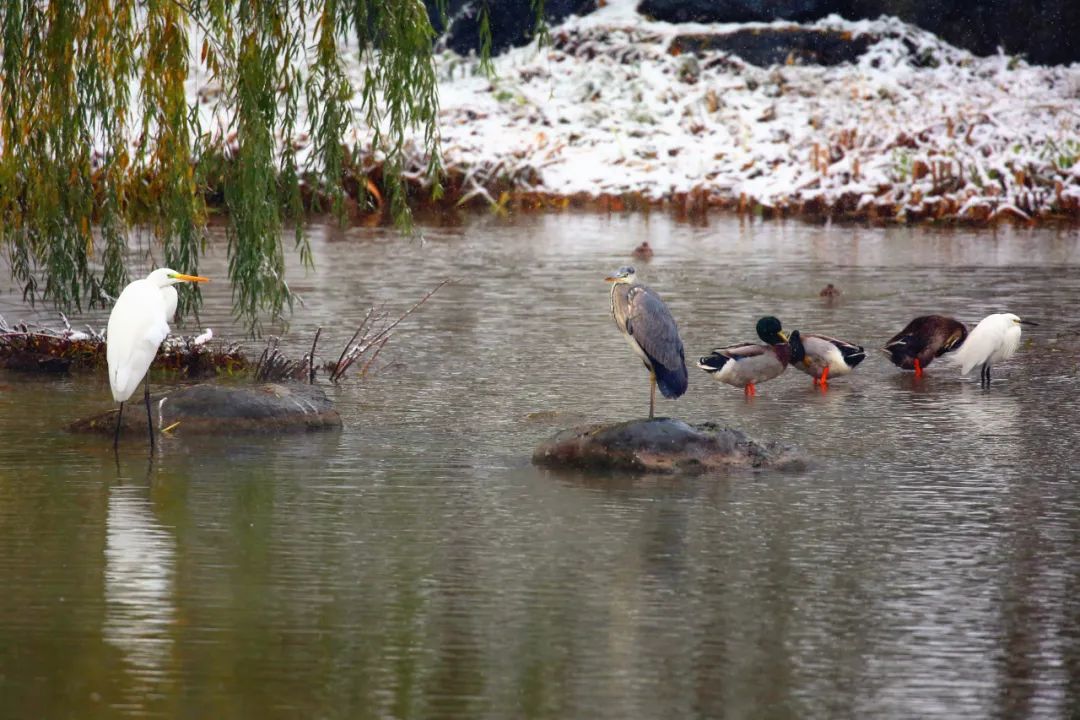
x,y
825,379
750,390
918,368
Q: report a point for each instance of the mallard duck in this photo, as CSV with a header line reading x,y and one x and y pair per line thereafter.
x,y
746,364
994,339
643,251
829,291
924,339
821,356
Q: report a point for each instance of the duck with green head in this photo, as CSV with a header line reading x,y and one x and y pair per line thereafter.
x,y
747,364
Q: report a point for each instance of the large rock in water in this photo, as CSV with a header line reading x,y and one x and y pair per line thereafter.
x,y
659,445
211,408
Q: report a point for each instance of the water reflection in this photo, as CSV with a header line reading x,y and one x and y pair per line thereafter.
x,y
416,565
140,613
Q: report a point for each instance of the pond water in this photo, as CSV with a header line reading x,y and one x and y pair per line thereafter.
x,y
415,564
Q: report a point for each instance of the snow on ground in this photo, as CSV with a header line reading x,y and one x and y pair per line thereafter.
x,y
915,128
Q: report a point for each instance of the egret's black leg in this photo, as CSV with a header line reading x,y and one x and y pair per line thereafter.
x,y
988,375
149,420
116,435
652,394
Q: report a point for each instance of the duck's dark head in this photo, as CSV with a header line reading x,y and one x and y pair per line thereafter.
x,y
769,330
798,351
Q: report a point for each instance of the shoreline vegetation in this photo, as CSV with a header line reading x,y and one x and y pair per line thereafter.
x,y
39,348
164,115
872,121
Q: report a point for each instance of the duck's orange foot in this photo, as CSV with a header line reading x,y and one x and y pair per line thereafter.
x,y
918,368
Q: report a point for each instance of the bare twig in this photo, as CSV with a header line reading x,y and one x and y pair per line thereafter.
x,y
371,339
311,358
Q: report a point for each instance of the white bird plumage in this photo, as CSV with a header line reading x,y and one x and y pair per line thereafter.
x,y
138,324
994,339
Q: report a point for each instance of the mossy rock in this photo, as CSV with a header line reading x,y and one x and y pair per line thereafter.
x,y
660,445
211,408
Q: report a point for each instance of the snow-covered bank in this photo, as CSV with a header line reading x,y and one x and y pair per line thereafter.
x,y
615,111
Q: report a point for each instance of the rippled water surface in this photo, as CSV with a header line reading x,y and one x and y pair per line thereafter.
x,y
415,564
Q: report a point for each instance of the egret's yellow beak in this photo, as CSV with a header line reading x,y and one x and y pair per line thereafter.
x,y
191,278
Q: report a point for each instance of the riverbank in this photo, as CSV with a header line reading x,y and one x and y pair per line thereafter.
x,y
874,121
622,112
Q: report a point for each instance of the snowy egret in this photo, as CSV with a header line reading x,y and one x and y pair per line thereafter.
x,y
648,326
823,356
924,339
994,339
138,324
746,364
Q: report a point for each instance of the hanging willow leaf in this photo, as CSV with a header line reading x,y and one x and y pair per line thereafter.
x,y
98,133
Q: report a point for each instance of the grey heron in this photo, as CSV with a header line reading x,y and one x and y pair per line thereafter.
x,y
746,364
923,339
648,326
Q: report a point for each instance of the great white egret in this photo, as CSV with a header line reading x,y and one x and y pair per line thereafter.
x,y
746,364
923,339
648,326
138,324
994,339
822,356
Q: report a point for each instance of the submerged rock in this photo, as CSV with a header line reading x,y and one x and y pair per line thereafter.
x,y
661,445
211,408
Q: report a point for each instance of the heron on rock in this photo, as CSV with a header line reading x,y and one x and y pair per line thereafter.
x,y
138,324
647,325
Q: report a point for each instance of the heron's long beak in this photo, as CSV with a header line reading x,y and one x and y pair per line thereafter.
x,y
191,278
1029,322
611,279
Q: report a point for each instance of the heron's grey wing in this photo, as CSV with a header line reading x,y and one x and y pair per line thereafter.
x,y
650,324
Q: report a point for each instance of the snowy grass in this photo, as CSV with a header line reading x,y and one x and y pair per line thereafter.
x,y
612,113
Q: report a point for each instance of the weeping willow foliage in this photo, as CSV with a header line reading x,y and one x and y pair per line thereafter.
x,y
97,132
